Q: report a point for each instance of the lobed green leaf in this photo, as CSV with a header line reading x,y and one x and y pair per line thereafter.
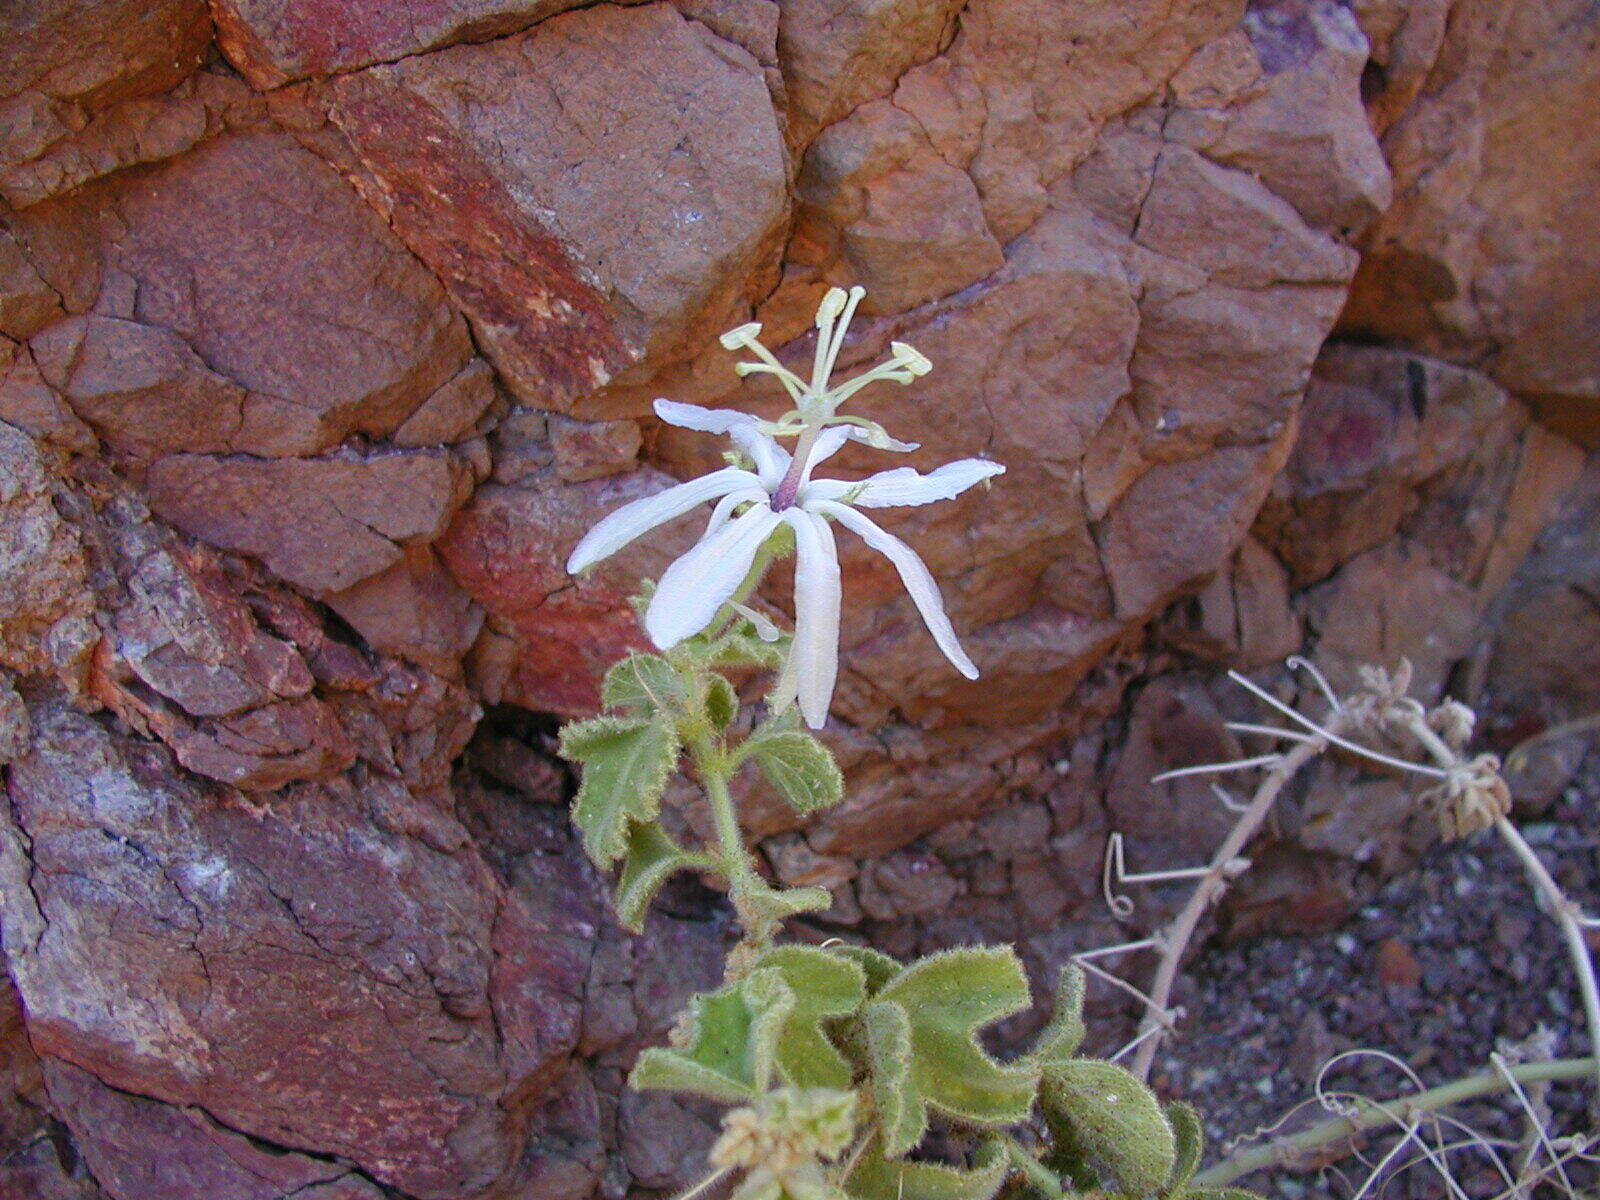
x,y
727,1048
1104,1110
1188,1140
1060,1039
878,1178
825,986
642,685
626,762
799,768
923,1049
722,702
650,858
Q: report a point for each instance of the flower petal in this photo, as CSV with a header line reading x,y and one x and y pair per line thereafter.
x,y
705,420
905,486
639,517
814,655
695,586
913,573
725,507
771,459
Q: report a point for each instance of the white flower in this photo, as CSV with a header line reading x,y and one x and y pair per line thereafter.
x,y
781,491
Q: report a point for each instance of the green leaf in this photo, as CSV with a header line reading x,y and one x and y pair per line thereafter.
x,y
722,702
1188,1139
878,1178
825,986
626,761
726,1046
1059,1040
1107,1112
771,904
650,859
799,768
1220,1193
879,967
923,1049
642,684
744,649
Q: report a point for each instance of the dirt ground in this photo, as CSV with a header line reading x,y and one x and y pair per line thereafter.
x,y
1445,964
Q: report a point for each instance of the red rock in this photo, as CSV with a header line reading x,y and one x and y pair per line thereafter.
x,y
1397,965
413,609
145,129
53,81
453,411
1305,133
907,225
322,524
275,41
138,1147
353,345
837,56
1483,257
587,450
663,218
315,947
142,388
507,547
43,574
32,405
1388,604
27,302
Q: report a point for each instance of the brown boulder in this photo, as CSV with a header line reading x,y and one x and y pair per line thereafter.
x,y
136,1147
275,41
342,949
577,246
323,524
353,344
1486,255
55,79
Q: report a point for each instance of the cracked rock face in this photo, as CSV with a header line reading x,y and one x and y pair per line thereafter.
x,y
328,326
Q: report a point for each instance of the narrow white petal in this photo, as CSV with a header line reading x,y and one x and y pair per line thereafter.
x,y
725,507
914,574
694,587
814,656
903,485
828,442
639,517
705,420
771,459
879,439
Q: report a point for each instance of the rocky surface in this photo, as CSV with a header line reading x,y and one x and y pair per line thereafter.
x,y
328,326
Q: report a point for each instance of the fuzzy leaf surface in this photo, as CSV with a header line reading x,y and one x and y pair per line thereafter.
x,y
727,1050
642,684
825,986
878,1178
1116,1119
879,967
722,702
626,761
922,1047
650,858
799,768
1188,1135
1059,1040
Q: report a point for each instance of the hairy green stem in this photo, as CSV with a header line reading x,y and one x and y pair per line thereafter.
x,y
1369,1115
715,767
